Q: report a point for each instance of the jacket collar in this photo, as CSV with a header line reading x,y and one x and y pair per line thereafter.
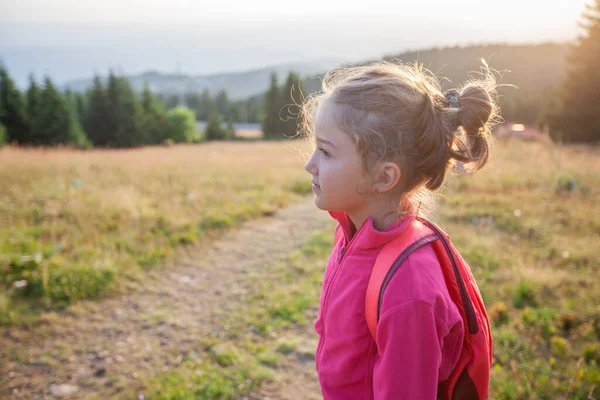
x,y
367,237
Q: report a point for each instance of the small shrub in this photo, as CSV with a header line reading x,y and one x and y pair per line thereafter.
x,y
524,295
591,353
499,314
568,321
559,346
226,354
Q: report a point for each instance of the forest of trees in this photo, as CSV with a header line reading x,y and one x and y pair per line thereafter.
x,y
107,115
111,114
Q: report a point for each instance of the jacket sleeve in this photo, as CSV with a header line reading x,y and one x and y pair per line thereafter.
x,y
409,340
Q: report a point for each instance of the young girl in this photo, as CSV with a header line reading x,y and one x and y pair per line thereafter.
x,y
385,134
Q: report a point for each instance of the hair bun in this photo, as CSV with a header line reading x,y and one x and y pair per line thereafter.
x,y
476,108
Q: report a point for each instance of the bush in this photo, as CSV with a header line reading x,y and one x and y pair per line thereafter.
x,y
524,295
181,125
215,131
559,346
592,353
568,321
499,314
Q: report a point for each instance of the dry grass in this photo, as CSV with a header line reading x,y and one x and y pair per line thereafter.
x,y
249,134
71,222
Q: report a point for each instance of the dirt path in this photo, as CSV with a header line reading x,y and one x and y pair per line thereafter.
x,y
97,349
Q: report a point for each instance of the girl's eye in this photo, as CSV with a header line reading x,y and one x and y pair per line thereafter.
x,y
325,153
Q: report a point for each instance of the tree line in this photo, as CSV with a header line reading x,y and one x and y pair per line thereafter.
x,y
108,114
205,105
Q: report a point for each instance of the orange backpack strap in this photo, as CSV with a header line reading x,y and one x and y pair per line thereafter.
x,y
470,379
391,256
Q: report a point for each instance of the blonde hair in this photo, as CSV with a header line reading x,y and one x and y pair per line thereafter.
x,y
397,112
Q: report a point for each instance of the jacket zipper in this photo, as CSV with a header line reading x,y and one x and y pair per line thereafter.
x,y
334,274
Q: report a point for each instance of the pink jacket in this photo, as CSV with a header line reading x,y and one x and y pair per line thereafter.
x,y
419,334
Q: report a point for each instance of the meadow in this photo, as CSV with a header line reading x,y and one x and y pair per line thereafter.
x,y
81,225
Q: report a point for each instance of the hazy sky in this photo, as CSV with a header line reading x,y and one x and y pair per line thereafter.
x,y
170,11
70,39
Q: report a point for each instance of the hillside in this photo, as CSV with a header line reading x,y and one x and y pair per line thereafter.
x,y
534,69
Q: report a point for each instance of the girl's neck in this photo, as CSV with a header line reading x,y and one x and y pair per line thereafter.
x,y
383,217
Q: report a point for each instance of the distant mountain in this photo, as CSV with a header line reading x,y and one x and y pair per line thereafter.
x,y
238,85
534,68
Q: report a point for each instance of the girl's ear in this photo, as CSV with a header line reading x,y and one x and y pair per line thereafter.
x,y
389,176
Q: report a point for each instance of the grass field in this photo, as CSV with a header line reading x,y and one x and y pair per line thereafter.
x,y
528,225
77,225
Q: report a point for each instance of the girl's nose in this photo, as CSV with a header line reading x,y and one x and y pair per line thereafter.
x,y
310,166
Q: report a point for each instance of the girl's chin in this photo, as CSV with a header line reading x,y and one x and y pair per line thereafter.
x,y
319,202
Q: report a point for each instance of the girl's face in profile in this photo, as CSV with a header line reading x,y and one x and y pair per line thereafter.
x,y
335,166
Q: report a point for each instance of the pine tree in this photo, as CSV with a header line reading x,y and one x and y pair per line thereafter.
x,y
578,116
271,121
222,103
77,136
97,124
214,129
14,117
206,106
53,116
154,118
291,98
81,108
124,114
34,95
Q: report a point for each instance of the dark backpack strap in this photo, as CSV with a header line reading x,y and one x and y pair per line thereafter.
x,y
464,293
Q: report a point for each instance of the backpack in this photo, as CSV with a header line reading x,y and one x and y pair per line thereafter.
x,y
470,378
